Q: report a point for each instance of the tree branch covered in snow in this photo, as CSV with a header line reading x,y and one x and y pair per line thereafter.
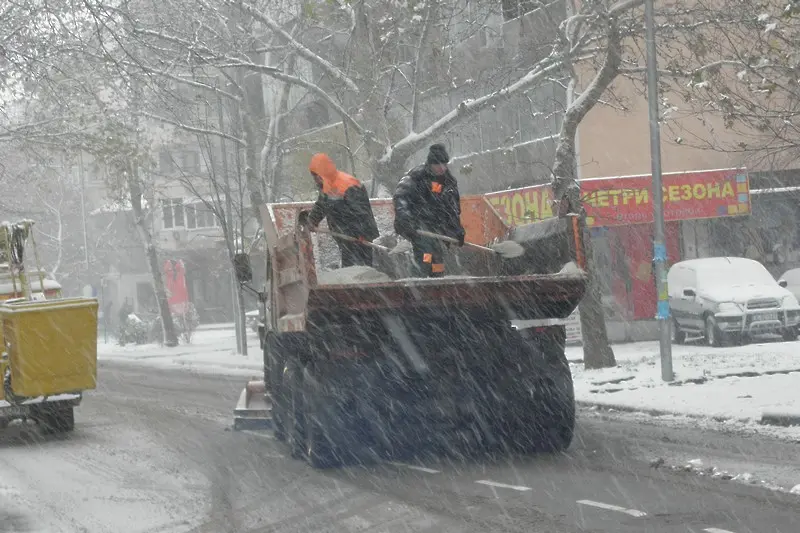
x,y
298,47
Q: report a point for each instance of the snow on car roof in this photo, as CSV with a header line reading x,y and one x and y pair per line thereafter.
x,y
728,271
717,262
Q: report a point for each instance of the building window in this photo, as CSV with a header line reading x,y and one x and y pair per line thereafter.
x,y
165,163
173,213
199,216
191,162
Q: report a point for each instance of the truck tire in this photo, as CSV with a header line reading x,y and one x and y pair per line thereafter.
x,y
324,431
539,397
292,393
55,419
556,425
274,362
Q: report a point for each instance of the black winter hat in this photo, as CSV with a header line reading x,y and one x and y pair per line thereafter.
x,y
437,155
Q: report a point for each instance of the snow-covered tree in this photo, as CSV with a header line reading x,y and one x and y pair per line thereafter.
x,y
732,66
65,93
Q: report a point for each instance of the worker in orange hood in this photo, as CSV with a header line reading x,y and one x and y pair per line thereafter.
x,y
344,201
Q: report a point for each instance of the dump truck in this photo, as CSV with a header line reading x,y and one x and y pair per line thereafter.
x,y
374,365
49,342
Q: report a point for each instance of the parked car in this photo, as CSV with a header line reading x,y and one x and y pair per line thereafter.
x,y
728,300
791,281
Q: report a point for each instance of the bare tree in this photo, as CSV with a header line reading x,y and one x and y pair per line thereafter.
x,y
377,68
82,103
361,85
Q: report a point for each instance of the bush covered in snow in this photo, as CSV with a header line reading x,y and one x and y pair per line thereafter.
x,y
133,330
186,322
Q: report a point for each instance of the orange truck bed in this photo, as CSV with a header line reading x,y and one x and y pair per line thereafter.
x,y
492,285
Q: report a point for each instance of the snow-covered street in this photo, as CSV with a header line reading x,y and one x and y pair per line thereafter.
x,y
152,452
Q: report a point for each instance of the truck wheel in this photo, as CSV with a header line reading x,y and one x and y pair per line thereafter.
x,y
539,403
557,413
790,334
273,378
323,426
56,419
678,335
293,394
714,337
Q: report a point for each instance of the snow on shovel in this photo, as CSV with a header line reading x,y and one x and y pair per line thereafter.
x,y
505,249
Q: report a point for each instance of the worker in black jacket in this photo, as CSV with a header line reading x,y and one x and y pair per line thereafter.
x,y
344,201
427,198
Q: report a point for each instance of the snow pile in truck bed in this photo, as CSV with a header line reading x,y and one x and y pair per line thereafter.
x,y
351,275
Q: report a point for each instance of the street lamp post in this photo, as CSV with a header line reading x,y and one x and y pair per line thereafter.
x,y
659,246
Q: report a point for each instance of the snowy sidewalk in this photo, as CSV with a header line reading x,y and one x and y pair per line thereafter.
x,y
725,383
212,351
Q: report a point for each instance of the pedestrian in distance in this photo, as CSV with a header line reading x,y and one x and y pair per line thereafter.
x,y
344,202
427,198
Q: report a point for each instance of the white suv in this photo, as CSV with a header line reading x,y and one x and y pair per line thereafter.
x,y
729,299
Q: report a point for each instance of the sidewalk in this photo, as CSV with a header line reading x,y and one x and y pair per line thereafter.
x,y
737,383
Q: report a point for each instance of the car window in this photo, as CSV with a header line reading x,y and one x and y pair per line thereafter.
x,y
679,277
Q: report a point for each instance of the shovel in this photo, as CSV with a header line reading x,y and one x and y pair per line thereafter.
x,y
353,239
505,249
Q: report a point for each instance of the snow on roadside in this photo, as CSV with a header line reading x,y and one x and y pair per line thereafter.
x,y
709,382
212,351
738,382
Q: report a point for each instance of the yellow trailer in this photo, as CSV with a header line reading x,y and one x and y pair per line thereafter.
x,y
48,342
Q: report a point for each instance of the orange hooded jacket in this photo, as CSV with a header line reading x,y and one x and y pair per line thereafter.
x,y
343,200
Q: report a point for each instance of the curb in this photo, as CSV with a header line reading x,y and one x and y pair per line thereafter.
x,y
655,412
780,418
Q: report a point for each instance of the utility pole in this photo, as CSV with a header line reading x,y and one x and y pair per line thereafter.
x,y
659,246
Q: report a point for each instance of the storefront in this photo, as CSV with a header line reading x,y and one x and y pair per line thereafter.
x,y
620,213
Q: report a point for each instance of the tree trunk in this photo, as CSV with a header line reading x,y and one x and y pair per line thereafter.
x,y
597,352
242,317
135,190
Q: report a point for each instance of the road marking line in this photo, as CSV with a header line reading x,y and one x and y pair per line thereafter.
x,y
609,507
716,530
419,468
502,485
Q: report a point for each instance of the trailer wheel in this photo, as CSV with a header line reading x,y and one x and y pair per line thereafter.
x,y
56,419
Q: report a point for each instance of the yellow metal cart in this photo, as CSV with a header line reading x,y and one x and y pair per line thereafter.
x,y
49,343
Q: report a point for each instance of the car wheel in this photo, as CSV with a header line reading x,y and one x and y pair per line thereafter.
x,y
678,335
713,334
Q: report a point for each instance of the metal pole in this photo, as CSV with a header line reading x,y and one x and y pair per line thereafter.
x,y
659,248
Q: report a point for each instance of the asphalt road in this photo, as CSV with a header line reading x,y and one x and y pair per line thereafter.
x,y
153,453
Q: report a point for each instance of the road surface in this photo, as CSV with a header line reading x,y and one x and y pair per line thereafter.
x,y
153,453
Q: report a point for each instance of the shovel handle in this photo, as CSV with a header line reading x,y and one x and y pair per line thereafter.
x,y
352,239
454,241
